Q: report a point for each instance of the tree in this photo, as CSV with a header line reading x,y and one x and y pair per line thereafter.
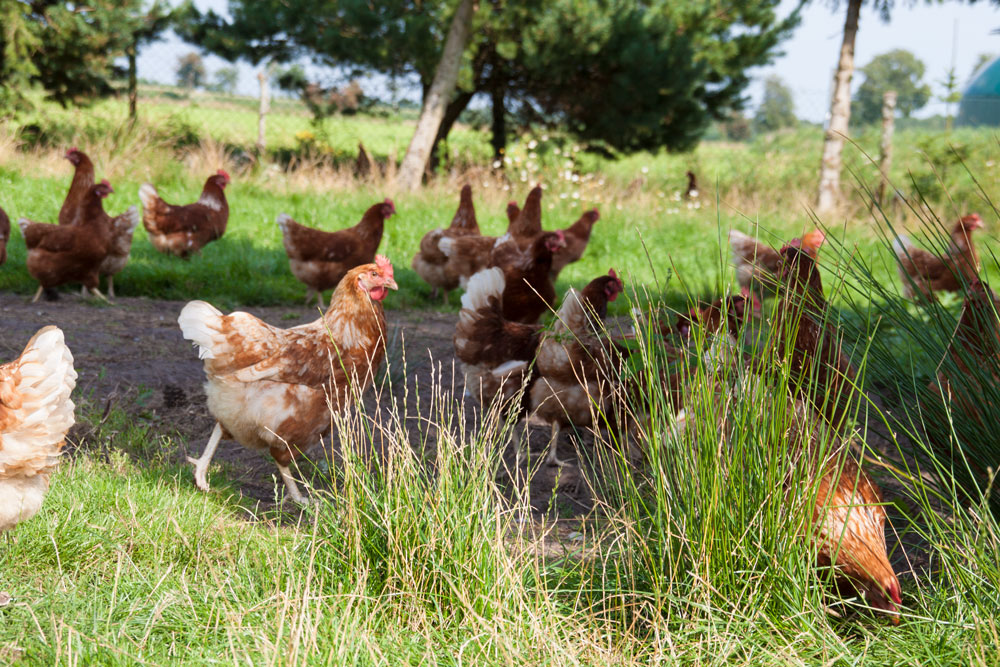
x,y
631,74
777,108
840,107
436,99
226,79
190,70
897,70
840,114
951,95
982,60
69,49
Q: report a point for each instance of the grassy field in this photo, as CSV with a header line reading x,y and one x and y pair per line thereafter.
x,y
423,558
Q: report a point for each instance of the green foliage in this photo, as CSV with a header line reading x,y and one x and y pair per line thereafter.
x,y
67,48
226,79
982,60
777,108
678,65
897,70
190,70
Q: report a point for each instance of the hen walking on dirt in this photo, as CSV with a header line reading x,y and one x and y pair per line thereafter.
x,y
272,389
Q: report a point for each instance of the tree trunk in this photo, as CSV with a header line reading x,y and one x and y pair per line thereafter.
x,y
265,107
840,115
885,148
499,127
133,91
436,101
451,114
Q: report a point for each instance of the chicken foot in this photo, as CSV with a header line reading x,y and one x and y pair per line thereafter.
x,y
97,292
201,464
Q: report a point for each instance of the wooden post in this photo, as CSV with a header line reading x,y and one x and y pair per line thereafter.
x,y
885,148
265,107
133,92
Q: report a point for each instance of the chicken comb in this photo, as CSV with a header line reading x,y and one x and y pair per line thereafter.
x,y
383,264
392,211
105,182
222,172
596,213
794,243
72,150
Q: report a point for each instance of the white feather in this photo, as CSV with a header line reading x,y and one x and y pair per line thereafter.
x,y
481,286
199,324
447,245
147,195
901,245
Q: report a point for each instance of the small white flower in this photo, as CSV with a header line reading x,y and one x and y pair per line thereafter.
x,y
989,163
576,195
497,164
532,145
507,160
557,151
645,170
545,137
562,195
532,155
575,178
618,206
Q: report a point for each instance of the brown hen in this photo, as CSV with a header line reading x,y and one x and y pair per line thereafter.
x,y
272,389
320,259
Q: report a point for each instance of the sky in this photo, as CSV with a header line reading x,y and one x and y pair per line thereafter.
x,y
807,62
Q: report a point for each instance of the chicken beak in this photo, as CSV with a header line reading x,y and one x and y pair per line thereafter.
x,y
390,283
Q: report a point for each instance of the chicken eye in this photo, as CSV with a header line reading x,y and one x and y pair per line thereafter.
x,y
374,274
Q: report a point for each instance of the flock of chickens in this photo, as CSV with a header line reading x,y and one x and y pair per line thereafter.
x,y
272,389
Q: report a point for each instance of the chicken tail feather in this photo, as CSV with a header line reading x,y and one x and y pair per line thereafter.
x,y
199,324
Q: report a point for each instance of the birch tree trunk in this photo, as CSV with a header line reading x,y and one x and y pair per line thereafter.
x,y
840,115
885,147
412,170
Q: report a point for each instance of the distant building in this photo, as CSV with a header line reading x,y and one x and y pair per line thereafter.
x,y
980,103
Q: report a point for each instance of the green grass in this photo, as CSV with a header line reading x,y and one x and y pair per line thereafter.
x,y
249,266
420,557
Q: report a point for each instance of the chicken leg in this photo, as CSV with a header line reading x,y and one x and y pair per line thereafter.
x,y
111,287
201,464
551,459
38,294
291,486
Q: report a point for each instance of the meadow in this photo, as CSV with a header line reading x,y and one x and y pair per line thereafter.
x,y
420,555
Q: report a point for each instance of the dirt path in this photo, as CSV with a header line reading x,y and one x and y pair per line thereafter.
x,y
132,354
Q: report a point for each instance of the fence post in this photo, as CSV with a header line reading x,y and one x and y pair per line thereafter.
x,y
133,93
265,106
885,148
